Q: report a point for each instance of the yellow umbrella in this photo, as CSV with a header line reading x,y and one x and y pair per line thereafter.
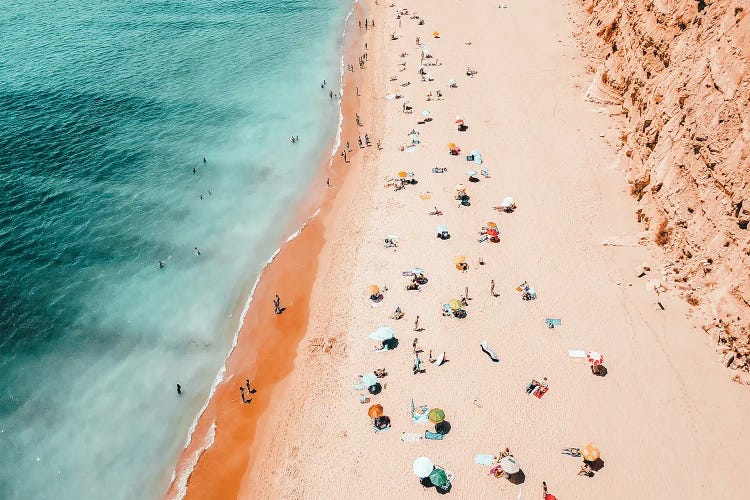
x,y
492,224
373,289
459,259
452,145
436,34
402,174
455,304
590,452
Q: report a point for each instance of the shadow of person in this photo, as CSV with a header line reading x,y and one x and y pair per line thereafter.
x,y
281,310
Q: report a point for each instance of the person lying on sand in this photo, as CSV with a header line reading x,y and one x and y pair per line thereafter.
x,y
412,286
397,314
380,373
586,470
573,452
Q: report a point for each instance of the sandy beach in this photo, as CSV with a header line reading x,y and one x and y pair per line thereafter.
x,y
667,419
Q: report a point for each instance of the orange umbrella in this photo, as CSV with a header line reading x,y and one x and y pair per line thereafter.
x,y
373,289
436,34
402,174
492,224
375,411
452,145
590,452
459,259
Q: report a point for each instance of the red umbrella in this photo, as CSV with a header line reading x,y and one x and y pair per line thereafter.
x,y
492,232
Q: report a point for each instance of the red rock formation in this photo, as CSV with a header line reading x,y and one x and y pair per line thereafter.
x,y
678,71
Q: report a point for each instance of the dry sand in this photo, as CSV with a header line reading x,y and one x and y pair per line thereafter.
x,y
667,420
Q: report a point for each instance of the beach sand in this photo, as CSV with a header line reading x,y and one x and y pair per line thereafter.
x,y
667,419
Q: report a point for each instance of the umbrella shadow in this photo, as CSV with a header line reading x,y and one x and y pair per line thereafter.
x,y
426,483
443,427
602,371
517,478
596,465
391,343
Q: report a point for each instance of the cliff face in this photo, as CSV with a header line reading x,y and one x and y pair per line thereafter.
x,y
678,72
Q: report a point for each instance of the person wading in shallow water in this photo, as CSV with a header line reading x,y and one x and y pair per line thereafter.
x,y
179,389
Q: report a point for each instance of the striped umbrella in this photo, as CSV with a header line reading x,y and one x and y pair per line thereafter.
x,y
590,452
594,358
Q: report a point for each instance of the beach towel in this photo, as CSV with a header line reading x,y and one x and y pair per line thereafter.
x,y
435,436
576,354
483,238
410,437
478,159
540,391
483,459
420,418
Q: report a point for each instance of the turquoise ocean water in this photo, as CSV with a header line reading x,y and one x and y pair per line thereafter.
x,y
105,109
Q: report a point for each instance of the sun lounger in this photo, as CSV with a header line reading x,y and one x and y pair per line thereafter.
x,y
434,436
483,238
411,437
488,351
576,354
484,459
447,311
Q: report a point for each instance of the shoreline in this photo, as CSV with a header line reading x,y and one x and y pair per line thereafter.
x,y
266,358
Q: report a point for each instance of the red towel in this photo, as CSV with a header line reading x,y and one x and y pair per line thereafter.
x,y
541,392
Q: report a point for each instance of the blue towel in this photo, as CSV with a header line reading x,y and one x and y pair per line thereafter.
x,y
433,435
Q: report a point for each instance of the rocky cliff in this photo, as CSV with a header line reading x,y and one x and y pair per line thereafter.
x,y
677,72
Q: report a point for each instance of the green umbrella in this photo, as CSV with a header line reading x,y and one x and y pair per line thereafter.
x,y
436,415
439,478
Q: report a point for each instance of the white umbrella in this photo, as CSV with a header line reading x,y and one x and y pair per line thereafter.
x,y
509,464
507,202
382,333
452,82
471,173
369,379
418,270
594,357
426,112
422,467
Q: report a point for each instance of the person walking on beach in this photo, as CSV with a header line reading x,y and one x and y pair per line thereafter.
x,y
330,94
492,288
359,141
416,324
277,305
367,140
179,390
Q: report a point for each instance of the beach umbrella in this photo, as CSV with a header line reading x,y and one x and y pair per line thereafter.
x,y
375,411
426,112
435,34
452,82
442,228
373,289
471,173
402,174
417,270
436,415
439,478
414,137
590,452
382,333
455,304
507,202
492,232
459,259
459,118
422,467
595,358
509,464
460,187
451,145
474,152
369,379
492,224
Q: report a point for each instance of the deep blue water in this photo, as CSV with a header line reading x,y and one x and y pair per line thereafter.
x,y
105,109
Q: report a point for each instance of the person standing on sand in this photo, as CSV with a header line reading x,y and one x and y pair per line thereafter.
x,y
179,390
277,305
416,324
492,288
